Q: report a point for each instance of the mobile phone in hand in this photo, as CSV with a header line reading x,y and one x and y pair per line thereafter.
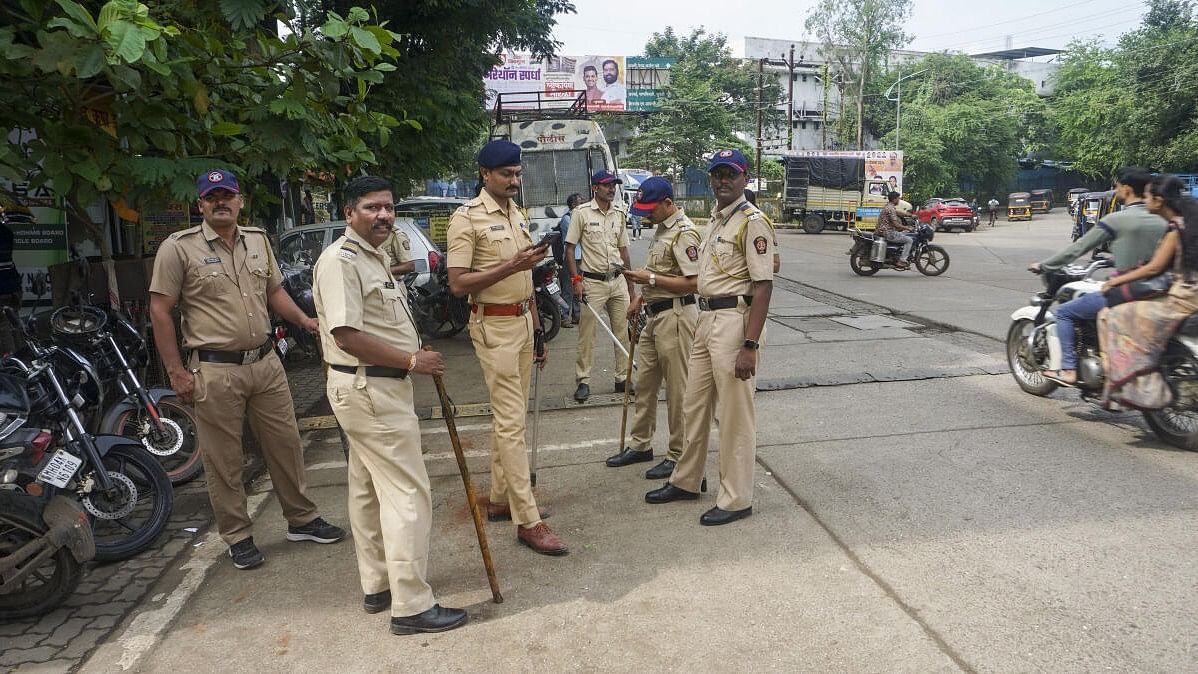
x,y
549,239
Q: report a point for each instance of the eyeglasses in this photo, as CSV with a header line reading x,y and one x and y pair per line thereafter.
x,y
726,175
218,195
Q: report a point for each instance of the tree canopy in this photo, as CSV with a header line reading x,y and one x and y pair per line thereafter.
x,y
710,98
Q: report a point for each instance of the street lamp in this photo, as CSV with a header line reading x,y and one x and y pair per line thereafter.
x,y
898,108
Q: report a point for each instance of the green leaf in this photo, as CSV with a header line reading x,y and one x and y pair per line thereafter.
x,y
335,28
365,39
86,168
358,15
243,14
126,41
384,67
227,129
80,15
89,61
76,29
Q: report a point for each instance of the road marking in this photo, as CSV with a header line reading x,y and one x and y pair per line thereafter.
x,y
483,453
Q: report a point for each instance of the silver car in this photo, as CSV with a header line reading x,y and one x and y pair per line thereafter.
x,y
300,246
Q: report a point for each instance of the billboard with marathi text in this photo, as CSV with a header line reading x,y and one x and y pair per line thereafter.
x,y
610,83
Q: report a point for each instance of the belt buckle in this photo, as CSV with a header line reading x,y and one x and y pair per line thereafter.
x,y
523,308
248,357
704,304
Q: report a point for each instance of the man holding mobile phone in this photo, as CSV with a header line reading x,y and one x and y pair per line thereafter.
x,y
490,258
599,226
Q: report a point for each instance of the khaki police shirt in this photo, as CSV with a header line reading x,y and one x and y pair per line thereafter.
x,y
221,291
397,247
731,259
674,251
482,236
353,288
602,234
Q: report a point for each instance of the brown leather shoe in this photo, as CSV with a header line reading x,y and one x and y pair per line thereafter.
x,y
502,512
541,539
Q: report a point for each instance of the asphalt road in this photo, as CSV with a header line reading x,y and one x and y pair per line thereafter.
x,y
915,511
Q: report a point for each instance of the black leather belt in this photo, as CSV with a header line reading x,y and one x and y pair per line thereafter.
x,y
600,277
730,302
373,370
236,357
665,305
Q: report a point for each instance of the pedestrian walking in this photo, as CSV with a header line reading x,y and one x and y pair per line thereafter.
x,y
734,284
372,349
667,287
491,256
599,227
223,277
572,316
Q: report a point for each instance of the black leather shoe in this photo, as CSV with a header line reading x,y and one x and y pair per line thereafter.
x,y
436,619
620,387
718,516
582,392
661,471
377,602
670,493
630,456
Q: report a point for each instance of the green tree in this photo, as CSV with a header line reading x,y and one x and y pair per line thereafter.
x,y
180,90
856,36
447,48
1133,103
711,98
961,121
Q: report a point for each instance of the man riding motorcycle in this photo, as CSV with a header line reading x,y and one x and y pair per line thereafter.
x,y
891,226
1133,234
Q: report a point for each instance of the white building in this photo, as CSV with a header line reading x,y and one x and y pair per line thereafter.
x,y
808,116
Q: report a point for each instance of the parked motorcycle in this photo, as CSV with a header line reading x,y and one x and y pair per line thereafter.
x,y
1033,347
292,340
155,416
548,291
435,311
123,488
43,545
929,259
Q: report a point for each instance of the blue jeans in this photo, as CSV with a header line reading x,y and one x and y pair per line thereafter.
x,y
899,237
1084,308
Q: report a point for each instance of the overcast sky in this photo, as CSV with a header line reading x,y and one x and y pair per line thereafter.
x,y
621,27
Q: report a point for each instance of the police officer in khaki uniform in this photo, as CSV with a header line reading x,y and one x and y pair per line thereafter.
x,y
371,348
735,282
398,248
223,277
667,294
490,258
599,226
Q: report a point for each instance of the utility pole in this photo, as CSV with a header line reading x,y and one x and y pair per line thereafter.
x,y
823,127
790,101
898,108
760,87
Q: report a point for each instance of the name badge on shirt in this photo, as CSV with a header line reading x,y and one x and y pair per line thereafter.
x,y
212,260
389,285
496,228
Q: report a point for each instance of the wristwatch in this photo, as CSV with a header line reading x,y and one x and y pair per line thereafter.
x,y
652,279
752,344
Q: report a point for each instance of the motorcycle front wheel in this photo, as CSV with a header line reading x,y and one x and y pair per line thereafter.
x,y
551,316
861,264
126,520
185,463
54,578
932,261
1025,360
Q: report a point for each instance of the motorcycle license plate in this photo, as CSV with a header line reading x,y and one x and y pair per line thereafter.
x,y
62,467
553,288
283,347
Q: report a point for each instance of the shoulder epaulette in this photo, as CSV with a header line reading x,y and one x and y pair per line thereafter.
x,y
256,230
186,232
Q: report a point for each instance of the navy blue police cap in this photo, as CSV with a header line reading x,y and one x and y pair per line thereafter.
x,y
732,158
654,190
604,177
499,153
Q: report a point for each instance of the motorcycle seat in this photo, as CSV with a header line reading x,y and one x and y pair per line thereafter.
x,y
1189,327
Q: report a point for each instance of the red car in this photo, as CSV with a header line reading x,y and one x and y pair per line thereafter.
x,y
947,214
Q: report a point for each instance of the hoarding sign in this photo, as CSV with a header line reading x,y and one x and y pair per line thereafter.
x,y
886,165
611,83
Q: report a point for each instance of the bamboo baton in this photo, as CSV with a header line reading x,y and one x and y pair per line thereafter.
x,y
471,499
634,328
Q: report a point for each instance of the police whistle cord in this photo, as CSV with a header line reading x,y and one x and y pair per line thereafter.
x,y
447,411
634,329
611,334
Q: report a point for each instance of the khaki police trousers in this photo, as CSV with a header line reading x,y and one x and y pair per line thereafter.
x,y
610,297
663,351
719,337
390,501
504,348
224,394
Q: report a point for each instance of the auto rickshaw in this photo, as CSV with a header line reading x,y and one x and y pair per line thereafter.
x,y
1091,207
1042,201
1019,206
1074,197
